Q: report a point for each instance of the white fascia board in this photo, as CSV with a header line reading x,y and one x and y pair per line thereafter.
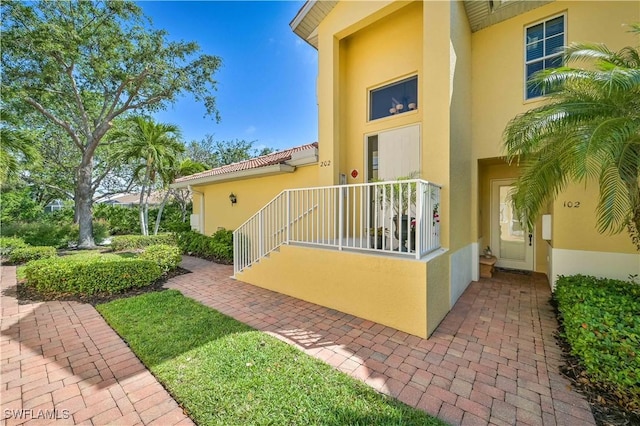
x,y
302,158
241,174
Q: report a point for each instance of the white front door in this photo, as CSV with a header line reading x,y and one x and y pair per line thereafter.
x,y
511,243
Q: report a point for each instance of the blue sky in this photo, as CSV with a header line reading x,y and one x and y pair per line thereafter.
x,y
266,86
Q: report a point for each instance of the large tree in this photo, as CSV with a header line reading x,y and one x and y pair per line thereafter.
x,y
82,64
220,153
153,148
588,130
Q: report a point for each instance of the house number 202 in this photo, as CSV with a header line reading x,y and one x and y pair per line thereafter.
x,y
571,204
325,163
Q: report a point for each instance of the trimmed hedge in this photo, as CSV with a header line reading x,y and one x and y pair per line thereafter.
x,y
28,253
218,247
166,256
90,275
602,325
133,242
8,244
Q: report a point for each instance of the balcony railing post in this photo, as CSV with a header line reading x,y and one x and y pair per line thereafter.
x,y
340,216
419,219
288,223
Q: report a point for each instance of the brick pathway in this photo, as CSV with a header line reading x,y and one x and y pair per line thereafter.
x,y
62,356
493,360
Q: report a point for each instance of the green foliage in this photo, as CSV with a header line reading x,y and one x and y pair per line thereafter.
x,y
602,325
121,220
134,242
588,130
218,247
224,372
28,253
8,244
19,205
79,66
89,275
45,233
214,153
168,257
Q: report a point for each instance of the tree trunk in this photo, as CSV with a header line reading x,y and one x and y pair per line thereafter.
x,y
143,226
159,217
83,205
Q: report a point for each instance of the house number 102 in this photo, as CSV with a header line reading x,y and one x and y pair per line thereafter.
x,y
571,204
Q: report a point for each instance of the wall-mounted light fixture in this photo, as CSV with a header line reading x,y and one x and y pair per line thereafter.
x,y
233,198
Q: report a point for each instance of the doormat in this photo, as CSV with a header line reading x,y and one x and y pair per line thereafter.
x,y
513,271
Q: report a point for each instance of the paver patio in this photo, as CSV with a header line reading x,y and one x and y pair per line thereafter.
x,y
493,360
62,364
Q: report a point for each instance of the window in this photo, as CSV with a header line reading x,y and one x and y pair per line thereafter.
x,y
543,50
393,99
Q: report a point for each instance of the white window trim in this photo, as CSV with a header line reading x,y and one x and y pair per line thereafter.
x,y
391,83
543,58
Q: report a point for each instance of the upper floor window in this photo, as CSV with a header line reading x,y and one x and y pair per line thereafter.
x,y
395,98
543,49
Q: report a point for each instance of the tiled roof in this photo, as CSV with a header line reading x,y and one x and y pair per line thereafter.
x,y
253,163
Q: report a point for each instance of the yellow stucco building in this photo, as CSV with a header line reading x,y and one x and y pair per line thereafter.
x,y
424,90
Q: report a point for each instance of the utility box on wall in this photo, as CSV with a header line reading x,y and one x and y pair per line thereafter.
x,y
546,227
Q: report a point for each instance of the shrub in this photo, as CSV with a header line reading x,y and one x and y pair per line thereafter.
x,y
602,325
133,242
51,233
8,244
166,256
218,247
28,253
90,275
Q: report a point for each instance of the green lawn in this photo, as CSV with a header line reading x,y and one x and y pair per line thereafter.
x,y
224,372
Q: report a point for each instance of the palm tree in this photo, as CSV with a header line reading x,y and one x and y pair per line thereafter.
x,y
185,168
588,130
16,147
153,147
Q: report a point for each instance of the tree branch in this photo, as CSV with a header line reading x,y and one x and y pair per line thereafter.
x,y
79,104
57,121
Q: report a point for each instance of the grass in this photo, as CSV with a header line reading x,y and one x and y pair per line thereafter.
x,y
224,372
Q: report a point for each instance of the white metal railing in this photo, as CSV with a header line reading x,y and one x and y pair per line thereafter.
x,y
395,217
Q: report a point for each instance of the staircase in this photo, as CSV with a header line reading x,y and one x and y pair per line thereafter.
x,y
399,218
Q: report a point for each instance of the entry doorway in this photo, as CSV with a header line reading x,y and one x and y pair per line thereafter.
x,y
511,243
394,153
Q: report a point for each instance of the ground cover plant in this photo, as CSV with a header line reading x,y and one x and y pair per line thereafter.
x,y
28,253
133,242
224,372
218,247
599,319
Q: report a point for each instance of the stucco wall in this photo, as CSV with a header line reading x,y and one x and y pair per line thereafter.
x,y
383,289
252,194
498,96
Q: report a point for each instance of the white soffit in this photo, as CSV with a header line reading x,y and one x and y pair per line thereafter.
x,y
309,17
484,13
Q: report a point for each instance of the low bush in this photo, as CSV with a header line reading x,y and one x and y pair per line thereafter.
x,y
89,275
218,247
29,253
51,233
133,242
166,256
601,323
8,244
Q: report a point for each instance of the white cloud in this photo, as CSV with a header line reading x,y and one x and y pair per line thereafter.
x,y
250,130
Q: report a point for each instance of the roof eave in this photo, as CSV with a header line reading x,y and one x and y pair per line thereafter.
x,y
240,174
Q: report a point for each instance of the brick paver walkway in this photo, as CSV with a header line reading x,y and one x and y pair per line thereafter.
x,y
493,360
62,359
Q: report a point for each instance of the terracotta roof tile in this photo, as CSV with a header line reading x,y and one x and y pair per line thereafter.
x,y
253,163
